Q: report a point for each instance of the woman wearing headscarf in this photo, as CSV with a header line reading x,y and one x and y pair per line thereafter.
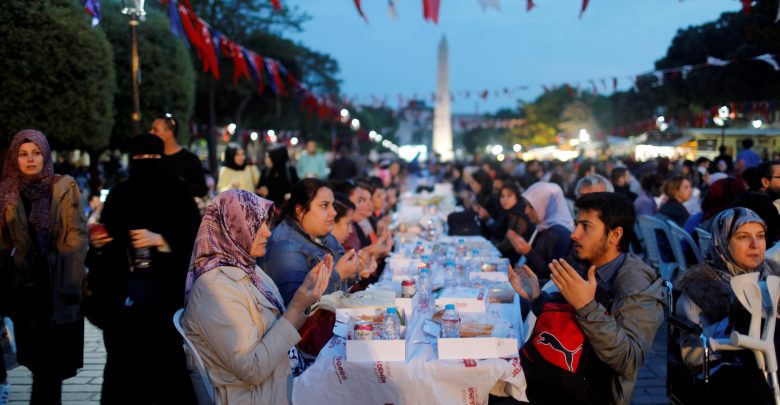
x,y
279,178
546,208
486,206
43,242
136,272
234,313
235,173
707,299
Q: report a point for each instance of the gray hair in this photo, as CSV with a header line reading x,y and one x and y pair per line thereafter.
x,y
593,180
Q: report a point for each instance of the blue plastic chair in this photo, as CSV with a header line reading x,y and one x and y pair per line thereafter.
x,y
648,227
678,247
705,239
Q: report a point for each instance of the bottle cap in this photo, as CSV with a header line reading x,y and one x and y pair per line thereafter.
x,y
461,240
424,270
449,306
392,310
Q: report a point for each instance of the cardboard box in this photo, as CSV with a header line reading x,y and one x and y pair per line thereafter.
x,y
376,350
476,348
465,299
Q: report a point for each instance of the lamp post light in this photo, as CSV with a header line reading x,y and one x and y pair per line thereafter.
x,y
136,13
722,120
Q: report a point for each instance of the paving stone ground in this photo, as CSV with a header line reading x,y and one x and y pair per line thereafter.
x,y
84,388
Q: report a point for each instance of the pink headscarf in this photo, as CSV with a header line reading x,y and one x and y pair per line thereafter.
x,y
225,238
36,189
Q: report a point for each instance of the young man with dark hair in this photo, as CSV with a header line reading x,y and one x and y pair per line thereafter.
x,y
184,163
615,310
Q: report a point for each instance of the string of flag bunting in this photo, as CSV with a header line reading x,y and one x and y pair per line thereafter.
x,y
210,45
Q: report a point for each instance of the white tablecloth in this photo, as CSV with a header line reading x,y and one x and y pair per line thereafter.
x,y
422,379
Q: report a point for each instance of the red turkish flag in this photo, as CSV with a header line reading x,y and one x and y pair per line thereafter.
x,y
431,10
277,4
208,51
259,65
240,67
584,6
192,33
747,6
360,10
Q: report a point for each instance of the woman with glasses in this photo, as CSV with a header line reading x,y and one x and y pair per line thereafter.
x,y
138,265
235,172
234,313
43,242
302,239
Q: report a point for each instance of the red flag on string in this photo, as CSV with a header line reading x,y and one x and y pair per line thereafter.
x,y
360,10
192,34
240,67
584,6
747,6
431,10
277,4
530,5
186,3
208,50
259,64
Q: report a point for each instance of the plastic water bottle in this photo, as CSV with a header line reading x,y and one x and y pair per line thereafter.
x,y
450,322
461,248
423,294
391,329
450,274
419,249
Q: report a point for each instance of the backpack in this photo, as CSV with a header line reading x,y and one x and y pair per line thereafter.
x,y
464,223
560,362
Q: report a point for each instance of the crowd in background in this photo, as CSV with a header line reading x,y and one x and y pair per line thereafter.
x,y
312,226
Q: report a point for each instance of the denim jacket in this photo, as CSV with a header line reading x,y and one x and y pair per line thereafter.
x,y
291,253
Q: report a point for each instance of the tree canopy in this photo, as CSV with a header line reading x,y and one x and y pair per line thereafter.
x,y
58,74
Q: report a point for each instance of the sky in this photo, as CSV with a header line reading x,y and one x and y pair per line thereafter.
x,y
494,49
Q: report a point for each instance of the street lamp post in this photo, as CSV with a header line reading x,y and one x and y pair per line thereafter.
x,y
136,12
721,120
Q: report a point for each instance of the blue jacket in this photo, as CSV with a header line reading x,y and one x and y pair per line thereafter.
x,y
291,253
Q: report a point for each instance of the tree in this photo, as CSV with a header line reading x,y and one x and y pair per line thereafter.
x,y
254,24
58,74
167,72
733,36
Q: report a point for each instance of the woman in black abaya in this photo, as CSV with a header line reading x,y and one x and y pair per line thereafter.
x,y
132,301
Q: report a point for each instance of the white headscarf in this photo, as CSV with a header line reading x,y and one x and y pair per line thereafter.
x,y
550,206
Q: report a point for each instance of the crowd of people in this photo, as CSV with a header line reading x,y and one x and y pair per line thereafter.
x,y
249,258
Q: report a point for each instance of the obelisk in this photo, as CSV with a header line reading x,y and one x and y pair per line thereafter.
x,y
442,116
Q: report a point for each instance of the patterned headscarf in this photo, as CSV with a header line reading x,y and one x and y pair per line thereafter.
x,y
550,205
36,189
724,226
225,238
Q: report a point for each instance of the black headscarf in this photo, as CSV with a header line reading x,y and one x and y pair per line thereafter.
x,y
230,157
155,199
